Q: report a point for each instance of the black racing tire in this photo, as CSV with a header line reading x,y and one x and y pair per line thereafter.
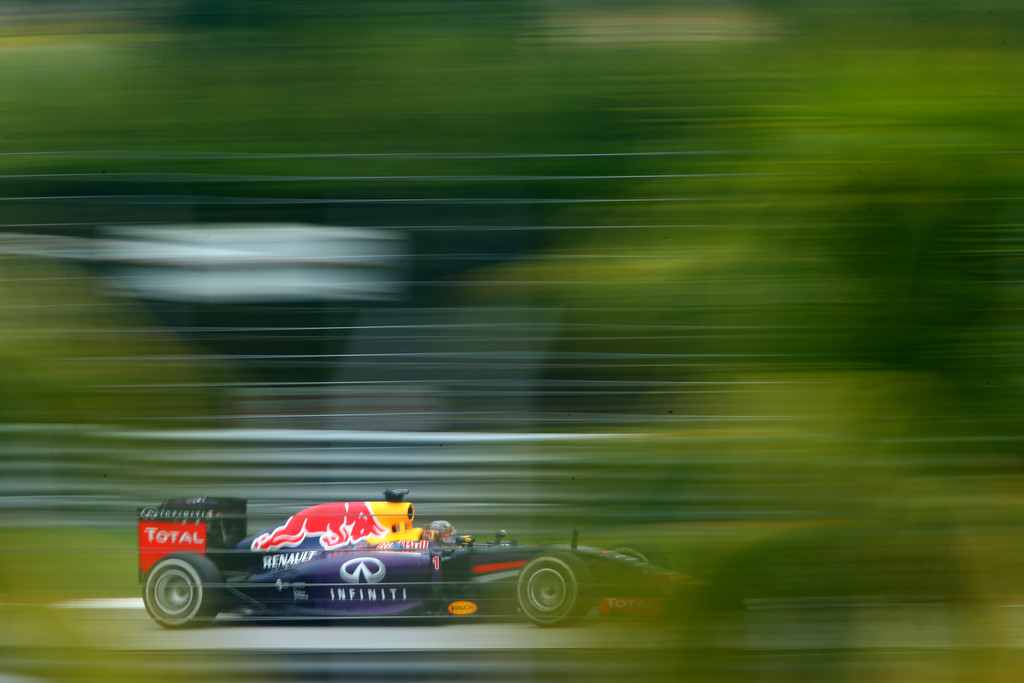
x,y
554,589
643,551
183,590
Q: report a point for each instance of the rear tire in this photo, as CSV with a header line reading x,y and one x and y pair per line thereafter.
x,y
553,589
183,590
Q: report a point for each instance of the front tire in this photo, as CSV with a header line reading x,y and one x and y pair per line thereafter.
x,y
553,589
182,590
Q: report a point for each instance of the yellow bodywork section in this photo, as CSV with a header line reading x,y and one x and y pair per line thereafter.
x,y
397,519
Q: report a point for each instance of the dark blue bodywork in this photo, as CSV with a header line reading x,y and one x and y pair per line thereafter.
x,y
307,577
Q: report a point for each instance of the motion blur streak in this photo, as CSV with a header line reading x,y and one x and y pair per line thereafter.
x,y
742,279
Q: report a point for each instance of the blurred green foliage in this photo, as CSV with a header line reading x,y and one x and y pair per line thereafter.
x,y
72,356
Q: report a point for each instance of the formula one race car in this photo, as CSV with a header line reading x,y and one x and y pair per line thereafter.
x,y
367,559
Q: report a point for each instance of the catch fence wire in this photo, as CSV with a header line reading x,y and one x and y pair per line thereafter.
x,y
493,382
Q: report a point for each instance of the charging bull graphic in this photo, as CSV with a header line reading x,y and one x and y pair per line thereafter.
x,y
336,524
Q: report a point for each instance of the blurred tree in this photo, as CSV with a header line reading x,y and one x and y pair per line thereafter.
x,y
74,356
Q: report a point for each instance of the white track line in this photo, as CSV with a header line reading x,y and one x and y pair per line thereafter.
x,y
101,603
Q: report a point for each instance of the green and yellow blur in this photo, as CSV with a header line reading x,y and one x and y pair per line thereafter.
x,y
776,249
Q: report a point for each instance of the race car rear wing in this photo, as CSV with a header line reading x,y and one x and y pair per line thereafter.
x,y
192,524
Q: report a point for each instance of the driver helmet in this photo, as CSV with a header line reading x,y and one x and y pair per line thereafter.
x,y
440,532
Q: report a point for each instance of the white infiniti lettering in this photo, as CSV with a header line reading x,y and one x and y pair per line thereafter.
x,y
368,594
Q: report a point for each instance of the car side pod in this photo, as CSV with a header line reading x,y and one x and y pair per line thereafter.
x,y
183,590
554,589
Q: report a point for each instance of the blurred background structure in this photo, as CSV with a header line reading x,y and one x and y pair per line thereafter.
x,y
741,278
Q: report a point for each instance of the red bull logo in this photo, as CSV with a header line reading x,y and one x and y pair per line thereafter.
x,y
336,524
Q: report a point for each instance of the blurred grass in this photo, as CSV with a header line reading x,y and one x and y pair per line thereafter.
x,y
46,565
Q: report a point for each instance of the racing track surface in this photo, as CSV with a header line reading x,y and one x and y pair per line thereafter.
x,y
127,627
897,642
235,648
